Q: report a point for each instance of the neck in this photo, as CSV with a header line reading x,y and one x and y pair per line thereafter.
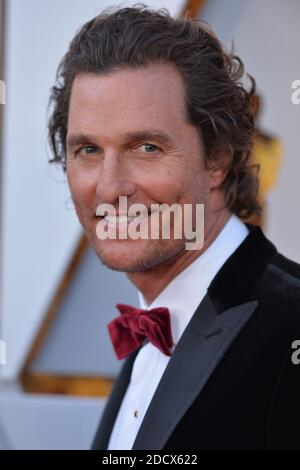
x,y
153,281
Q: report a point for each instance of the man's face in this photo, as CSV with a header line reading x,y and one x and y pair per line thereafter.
x,y
113,150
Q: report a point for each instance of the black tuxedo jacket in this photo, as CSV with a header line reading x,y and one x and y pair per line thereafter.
x,y
231,382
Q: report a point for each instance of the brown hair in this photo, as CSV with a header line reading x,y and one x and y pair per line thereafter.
x,y
217,102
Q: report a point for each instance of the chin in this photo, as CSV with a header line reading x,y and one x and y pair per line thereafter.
x,y
135,256
121,255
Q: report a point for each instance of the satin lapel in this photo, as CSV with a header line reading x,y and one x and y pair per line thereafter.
x,y
202,345
113,404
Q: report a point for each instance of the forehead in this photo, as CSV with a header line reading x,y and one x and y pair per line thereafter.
x,y
152,95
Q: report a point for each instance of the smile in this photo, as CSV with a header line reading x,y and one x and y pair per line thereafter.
x,y
121,219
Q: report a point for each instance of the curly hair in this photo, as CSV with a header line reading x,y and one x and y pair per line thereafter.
x,y
217,101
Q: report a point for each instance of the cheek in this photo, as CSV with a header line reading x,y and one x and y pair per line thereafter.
x,y
81,186
186,182
166,182
164,189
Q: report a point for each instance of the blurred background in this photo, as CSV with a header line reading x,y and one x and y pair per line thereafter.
x,y
55,296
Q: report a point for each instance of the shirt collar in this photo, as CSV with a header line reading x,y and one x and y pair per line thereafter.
x,y
185,292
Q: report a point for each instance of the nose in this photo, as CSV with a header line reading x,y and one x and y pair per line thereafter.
x,y
114,180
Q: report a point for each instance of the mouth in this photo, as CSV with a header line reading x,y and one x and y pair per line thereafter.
x,y
122,220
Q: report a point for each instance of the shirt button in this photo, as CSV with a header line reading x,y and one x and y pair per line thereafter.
x,y
135,414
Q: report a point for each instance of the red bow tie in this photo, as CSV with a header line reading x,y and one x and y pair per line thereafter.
x,y
135,325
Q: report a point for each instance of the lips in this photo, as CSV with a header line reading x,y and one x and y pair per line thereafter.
x,y
120,219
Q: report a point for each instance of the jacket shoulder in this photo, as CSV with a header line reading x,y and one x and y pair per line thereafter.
x,y
279,291
288,266
282,279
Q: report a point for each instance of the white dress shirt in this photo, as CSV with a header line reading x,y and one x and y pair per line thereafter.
x,y
182,297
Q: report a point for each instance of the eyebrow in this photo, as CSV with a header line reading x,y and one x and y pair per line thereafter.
x,y
128,137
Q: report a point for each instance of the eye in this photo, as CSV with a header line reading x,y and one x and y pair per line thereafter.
x,y
150,147
87,149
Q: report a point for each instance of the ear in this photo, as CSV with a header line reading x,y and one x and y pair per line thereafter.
x,y
219,165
